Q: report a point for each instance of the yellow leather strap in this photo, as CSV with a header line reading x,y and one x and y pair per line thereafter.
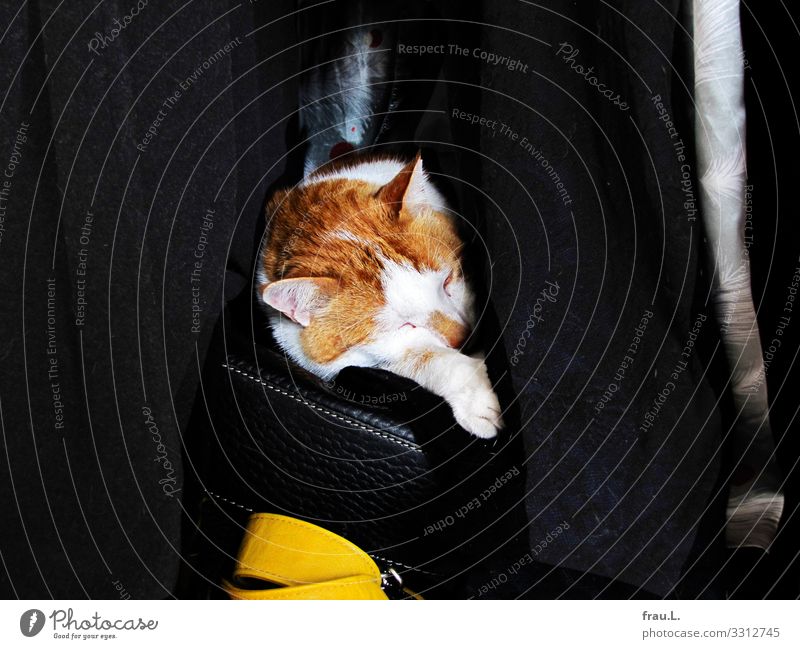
x,y
301,561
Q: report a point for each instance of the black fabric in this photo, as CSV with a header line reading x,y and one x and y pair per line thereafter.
x,y
95,507
611,261
773,139
97,504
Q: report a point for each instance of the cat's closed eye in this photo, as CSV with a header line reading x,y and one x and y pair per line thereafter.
x,y
354,285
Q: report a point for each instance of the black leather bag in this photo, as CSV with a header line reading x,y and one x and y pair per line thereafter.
x,y
370,456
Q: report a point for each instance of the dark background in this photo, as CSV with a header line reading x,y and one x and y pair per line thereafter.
x,y
84,508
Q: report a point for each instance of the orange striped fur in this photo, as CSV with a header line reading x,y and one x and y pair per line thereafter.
x,y
361,265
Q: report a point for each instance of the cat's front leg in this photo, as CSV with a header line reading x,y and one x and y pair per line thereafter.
x,y
460,380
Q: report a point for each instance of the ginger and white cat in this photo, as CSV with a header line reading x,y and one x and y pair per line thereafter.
x,y
361,266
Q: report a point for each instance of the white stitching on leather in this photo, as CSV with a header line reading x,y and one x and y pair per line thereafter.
x,y
261,381
399,563
230,502
374,556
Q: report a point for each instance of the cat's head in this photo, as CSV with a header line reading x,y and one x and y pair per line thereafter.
x,y
367,268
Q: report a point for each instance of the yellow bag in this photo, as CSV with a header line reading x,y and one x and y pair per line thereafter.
x,y
286,558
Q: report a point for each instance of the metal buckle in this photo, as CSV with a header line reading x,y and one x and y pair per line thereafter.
x,y
392,584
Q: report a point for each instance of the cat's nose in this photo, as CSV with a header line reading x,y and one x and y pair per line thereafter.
x,y
454,332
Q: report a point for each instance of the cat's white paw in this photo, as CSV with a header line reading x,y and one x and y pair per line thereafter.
x,y
474,403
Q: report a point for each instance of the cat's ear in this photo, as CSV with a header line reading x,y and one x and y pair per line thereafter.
x,y
394,193
300,299
275,202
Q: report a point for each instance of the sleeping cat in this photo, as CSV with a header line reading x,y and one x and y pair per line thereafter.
x,y
361,266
